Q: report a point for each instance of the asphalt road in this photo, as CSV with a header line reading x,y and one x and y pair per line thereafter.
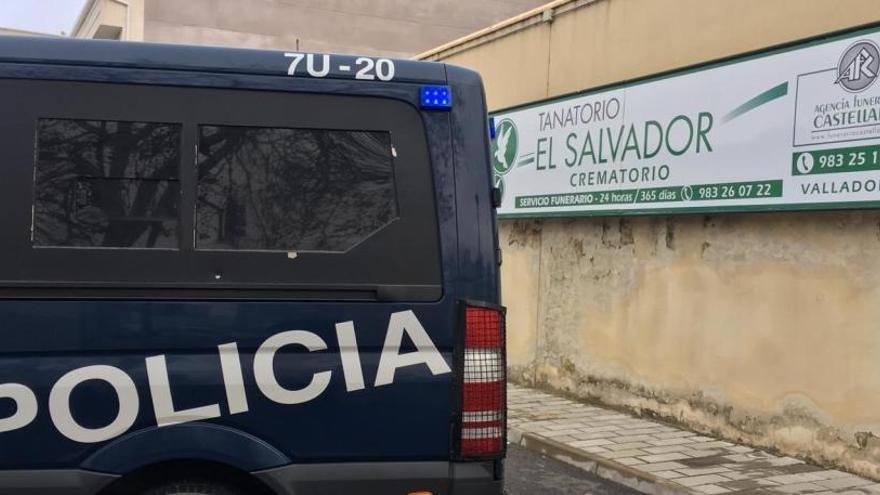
x,y
528,473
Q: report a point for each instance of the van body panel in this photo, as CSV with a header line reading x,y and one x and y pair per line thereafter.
x,y
401,432
209,442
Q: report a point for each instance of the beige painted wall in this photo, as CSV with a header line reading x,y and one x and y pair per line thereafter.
x,y
763,328
607,41
398,28
111,19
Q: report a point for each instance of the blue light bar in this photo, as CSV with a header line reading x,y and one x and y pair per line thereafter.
x,y
435,97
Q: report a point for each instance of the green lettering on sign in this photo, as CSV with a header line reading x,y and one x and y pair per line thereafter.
x,y
737,190
834,161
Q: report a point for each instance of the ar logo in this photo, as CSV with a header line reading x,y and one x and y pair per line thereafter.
x,y
859,66
505,147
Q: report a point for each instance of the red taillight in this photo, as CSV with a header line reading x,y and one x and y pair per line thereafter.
x,y
484,397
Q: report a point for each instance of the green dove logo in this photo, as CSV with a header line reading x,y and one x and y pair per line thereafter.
x,y
505,147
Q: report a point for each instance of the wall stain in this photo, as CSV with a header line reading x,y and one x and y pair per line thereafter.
x,y
670,233
578,245
524,233
744,327
827,446
626,232
607,240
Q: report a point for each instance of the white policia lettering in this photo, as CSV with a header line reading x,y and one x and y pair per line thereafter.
x,y
400,324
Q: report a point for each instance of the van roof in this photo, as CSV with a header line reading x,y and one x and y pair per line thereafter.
x,y
159,56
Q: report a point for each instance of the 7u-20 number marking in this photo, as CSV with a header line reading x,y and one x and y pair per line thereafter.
x,y
318,65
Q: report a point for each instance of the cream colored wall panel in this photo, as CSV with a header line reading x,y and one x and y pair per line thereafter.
x,y
514,69
617,40
759,327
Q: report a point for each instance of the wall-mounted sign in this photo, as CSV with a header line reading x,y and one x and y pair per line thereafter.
x,y
791,128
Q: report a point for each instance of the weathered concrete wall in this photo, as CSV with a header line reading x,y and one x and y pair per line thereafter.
x,y
111,19
588,43
758,327
399,28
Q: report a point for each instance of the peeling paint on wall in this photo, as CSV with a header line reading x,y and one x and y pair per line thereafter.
x,y
761,328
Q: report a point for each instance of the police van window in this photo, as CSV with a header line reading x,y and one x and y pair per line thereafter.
x,y
107,184
284,189
139,190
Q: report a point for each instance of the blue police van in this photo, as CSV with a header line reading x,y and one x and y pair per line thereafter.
x,y
229,271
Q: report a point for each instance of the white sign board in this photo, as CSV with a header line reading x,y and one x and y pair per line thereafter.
x,y
793,128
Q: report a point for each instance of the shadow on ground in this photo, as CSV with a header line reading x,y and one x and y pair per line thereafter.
x,y
528,473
